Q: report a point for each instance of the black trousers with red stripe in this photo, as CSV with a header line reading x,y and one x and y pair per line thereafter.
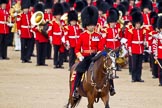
x,y
3,46
160,72
137,66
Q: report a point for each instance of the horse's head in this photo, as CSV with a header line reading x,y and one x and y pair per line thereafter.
x,y
103,68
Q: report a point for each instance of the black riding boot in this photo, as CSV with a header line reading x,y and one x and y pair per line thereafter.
x,y
112,90
76,84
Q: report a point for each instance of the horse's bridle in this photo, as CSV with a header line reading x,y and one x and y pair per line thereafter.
x,y
108,72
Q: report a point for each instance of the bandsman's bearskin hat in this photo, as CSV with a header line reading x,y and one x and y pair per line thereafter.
x,y
72,16
126,4
122,8
159,22
98,2
89,16
71,3
104,7
160,7
110,2
135,9
137,18
79,5
66,7
146,4
113,15
58,9
48,4
25,4
4,1
33,2
85,2
39,7
153,19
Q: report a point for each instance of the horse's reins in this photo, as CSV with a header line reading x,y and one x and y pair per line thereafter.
x,y
107,73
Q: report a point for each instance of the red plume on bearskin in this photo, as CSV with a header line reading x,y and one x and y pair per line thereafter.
x,y
89,16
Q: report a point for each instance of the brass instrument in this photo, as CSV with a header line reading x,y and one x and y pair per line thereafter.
x,y
64,17
37,19
14,12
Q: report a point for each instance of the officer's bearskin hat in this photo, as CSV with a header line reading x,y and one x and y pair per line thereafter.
x,y
48,4
3,1
146,4
104,7
25,4
159,22
89,16
79,5
122,9
58,9
39,7
113,15
66,7
72,15
153,19
137,18
160,7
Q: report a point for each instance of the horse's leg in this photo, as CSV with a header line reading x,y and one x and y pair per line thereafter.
x,y
105,100
91,100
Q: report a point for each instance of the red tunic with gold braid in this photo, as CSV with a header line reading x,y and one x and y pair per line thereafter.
x,y
56,33
136,40
71,35
88,43
24,25
112,38
159,46
4,29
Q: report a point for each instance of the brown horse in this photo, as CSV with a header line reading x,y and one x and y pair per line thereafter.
x,y
95,83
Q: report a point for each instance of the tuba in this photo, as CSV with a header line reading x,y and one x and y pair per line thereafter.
x,y
37,19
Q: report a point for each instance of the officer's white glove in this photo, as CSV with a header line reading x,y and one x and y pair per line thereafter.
x,y
81,58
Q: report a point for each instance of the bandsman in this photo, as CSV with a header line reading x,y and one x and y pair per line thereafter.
x,y
4,31
24,29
